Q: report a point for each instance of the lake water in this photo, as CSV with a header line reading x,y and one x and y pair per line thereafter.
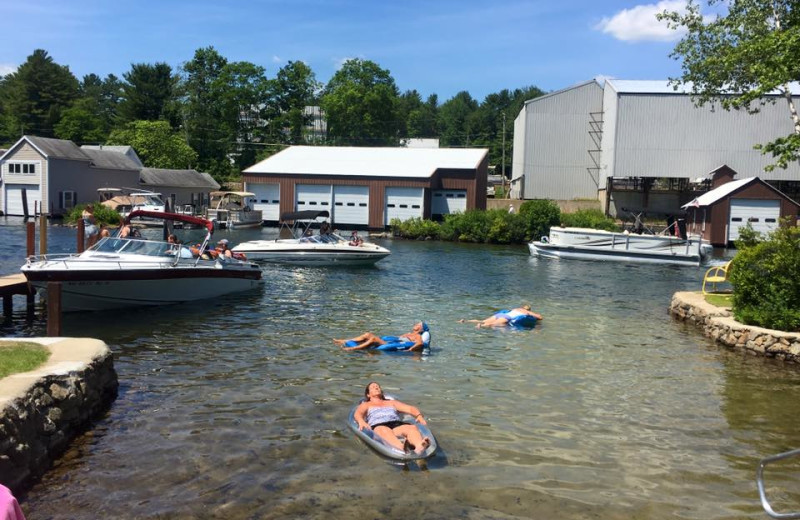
x,y
237,407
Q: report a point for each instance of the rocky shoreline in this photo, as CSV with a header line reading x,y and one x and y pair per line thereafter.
x,y
718,324
43,410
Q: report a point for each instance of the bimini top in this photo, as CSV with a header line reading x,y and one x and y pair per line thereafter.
x,y
304,215
171,216
419,163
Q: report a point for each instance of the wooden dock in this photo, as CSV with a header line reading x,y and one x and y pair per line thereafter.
x,y
14,284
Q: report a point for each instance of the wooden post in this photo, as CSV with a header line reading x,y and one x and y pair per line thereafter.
x,y
42,234
30,243
7,306
53,309
81,235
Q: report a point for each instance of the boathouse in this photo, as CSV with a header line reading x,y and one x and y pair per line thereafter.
x,y
640,144
368,187
719,214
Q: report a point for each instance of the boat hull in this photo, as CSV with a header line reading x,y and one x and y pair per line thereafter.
x,y
547,250
296,252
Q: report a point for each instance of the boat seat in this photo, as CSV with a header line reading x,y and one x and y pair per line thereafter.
x,y
715,275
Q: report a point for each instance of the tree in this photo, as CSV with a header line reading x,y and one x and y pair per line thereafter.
x,y
81,123
105,95
738,58
360,103
35,95
147,93
294,88
455,120
156,144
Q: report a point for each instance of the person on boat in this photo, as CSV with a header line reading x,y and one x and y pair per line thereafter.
x,y
370,340
184,251
324,229
501,319
355,240
127,231
382,416
222,249
90,225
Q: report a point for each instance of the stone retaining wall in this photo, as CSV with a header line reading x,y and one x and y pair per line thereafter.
x,y
43,410
718,323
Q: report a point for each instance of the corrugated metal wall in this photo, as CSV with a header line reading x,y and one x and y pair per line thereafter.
x,y
667,136
556,139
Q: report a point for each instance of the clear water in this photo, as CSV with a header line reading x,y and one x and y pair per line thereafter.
x,y
236,408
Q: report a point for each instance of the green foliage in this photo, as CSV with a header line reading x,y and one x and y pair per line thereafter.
x,y
415,228
293,89
765,276
103,215
148,92
81,123
360,103
748,237
156,144
17,357
538,216
34,96
589,218
739,56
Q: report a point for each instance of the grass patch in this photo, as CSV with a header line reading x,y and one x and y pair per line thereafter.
x,y
720,300
21,356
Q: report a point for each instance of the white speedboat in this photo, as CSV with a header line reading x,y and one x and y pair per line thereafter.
x,y
128,272
304,248
234,210
595,244
134,200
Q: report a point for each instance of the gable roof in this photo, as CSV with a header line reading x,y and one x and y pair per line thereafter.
x,y
55,148
369,162
626,86
123,149
177,178
52,148
713,196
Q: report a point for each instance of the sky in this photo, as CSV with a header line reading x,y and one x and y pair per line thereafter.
x,y
433,46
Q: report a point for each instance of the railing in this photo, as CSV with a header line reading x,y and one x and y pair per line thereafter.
x,y
760,483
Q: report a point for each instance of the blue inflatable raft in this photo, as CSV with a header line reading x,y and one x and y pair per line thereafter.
x,y
396,344
526,321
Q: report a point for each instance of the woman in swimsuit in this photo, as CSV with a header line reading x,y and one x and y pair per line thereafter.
x,y
501,319
382,416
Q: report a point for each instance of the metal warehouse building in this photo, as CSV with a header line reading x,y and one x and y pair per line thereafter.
x,y
639,144
368,187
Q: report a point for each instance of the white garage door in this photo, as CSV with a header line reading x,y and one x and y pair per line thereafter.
x,y
404,203
762,215
444,202
267,199
13,198
351,205
313,197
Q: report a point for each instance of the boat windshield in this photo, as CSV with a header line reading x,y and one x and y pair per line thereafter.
x,y
330,238
133,246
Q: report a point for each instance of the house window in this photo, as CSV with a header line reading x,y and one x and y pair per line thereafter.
x,y
22,168
68,199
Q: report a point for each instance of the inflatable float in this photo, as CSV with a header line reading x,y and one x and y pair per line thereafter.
x,y
396,344
523,321
382,447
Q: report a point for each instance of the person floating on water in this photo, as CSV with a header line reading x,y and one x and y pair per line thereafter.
x,y
370,340
501,319
382,416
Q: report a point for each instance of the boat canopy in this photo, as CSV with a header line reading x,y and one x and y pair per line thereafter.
x,y
234,193
189,219
304,215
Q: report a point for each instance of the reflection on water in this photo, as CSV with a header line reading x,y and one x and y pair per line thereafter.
x,y
237,407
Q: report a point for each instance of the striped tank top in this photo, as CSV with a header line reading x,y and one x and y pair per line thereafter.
x,y
381,414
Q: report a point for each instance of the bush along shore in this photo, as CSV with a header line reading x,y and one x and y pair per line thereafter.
x,y
498,226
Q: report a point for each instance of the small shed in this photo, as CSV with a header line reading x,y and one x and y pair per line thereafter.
x,y
719,214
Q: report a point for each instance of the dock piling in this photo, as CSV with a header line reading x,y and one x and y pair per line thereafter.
x,y
53,309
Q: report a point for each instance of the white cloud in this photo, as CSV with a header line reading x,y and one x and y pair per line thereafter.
x,y
639,23
6,69
277,59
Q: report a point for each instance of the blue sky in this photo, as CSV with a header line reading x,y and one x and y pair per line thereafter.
x,y
434,46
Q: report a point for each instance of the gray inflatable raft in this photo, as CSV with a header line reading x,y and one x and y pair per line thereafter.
x,y
376,443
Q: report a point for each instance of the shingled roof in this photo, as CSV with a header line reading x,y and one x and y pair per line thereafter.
x,y
177,178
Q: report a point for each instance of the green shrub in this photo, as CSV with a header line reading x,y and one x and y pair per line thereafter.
x,y
415,228
589,218
537,217
765,275
103,215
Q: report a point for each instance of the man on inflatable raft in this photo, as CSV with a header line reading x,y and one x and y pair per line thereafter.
x,y
418,339
521,317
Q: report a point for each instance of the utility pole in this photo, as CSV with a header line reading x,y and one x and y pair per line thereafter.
x,y
503,170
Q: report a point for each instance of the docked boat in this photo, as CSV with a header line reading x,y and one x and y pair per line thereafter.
x,y
134,200
127,272
305,248
596,244
234,210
